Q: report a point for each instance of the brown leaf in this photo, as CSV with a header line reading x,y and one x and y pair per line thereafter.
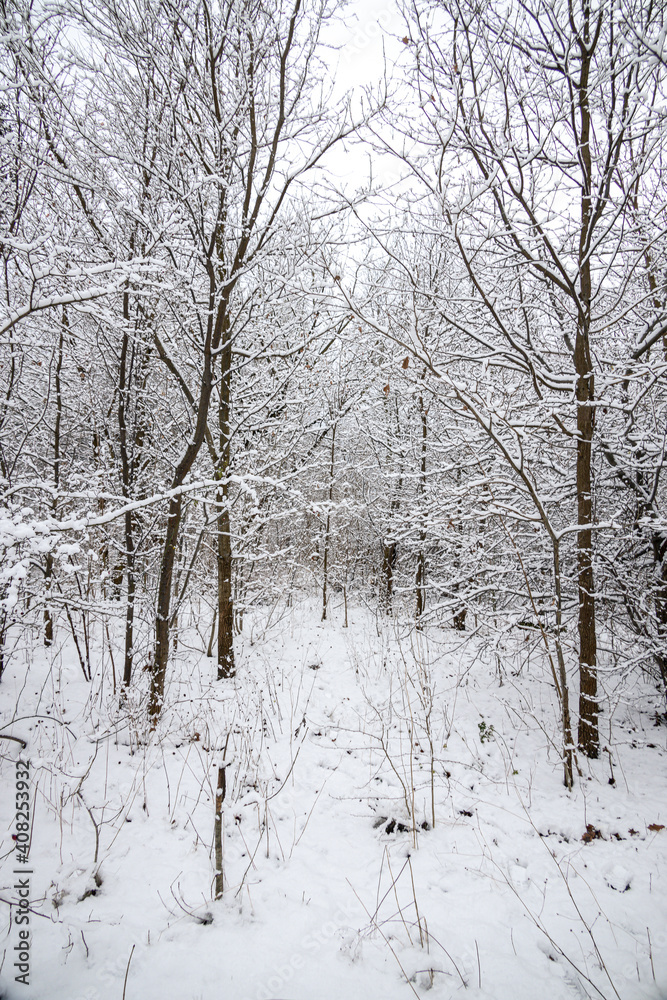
x,y
406,40
385,389
406,362
656,827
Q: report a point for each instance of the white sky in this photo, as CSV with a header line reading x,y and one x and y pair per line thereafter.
x,y
368,32
363,28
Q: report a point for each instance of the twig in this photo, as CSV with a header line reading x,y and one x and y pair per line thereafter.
x,y
385,939
217,826
92,820
76,642
127,970
16,739
49,718
414,896
393,885
650,951
113,665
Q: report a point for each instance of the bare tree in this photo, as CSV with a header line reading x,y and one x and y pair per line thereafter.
x,y
539,105
244,122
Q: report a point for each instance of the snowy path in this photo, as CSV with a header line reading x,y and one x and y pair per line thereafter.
x,y
331,892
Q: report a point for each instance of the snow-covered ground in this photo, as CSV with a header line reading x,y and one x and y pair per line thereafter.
x,y
394,822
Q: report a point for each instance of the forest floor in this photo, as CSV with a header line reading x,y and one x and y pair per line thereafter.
x,y
394,823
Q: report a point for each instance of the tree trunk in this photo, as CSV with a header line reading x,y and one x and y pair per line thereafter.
x,y
117,581
3,636
459,617
327,530
589,740
420,582
129,603
660,559
209,650
420,576
159,665
459,620
218,323
588,736
388,566
226,664
48,616
217,832
48,570
566,722
127,469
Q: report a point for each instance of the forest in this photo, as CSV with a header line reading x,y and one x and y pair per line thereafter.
x,y
333,553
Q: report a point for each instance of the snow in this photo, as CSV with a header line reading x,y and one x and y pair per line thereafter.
x,y
331,890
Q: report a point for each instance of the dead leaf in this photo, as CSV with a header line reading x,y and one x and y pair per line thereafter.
x,y
406,362
656,827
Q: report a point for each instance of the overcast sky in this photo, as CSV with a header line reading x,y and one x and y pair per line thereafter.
x,y
365,26
368,32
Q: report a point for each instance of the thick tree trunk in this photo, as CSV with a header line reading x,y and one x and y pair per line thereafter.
x,y
588,736
588,703
660,559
